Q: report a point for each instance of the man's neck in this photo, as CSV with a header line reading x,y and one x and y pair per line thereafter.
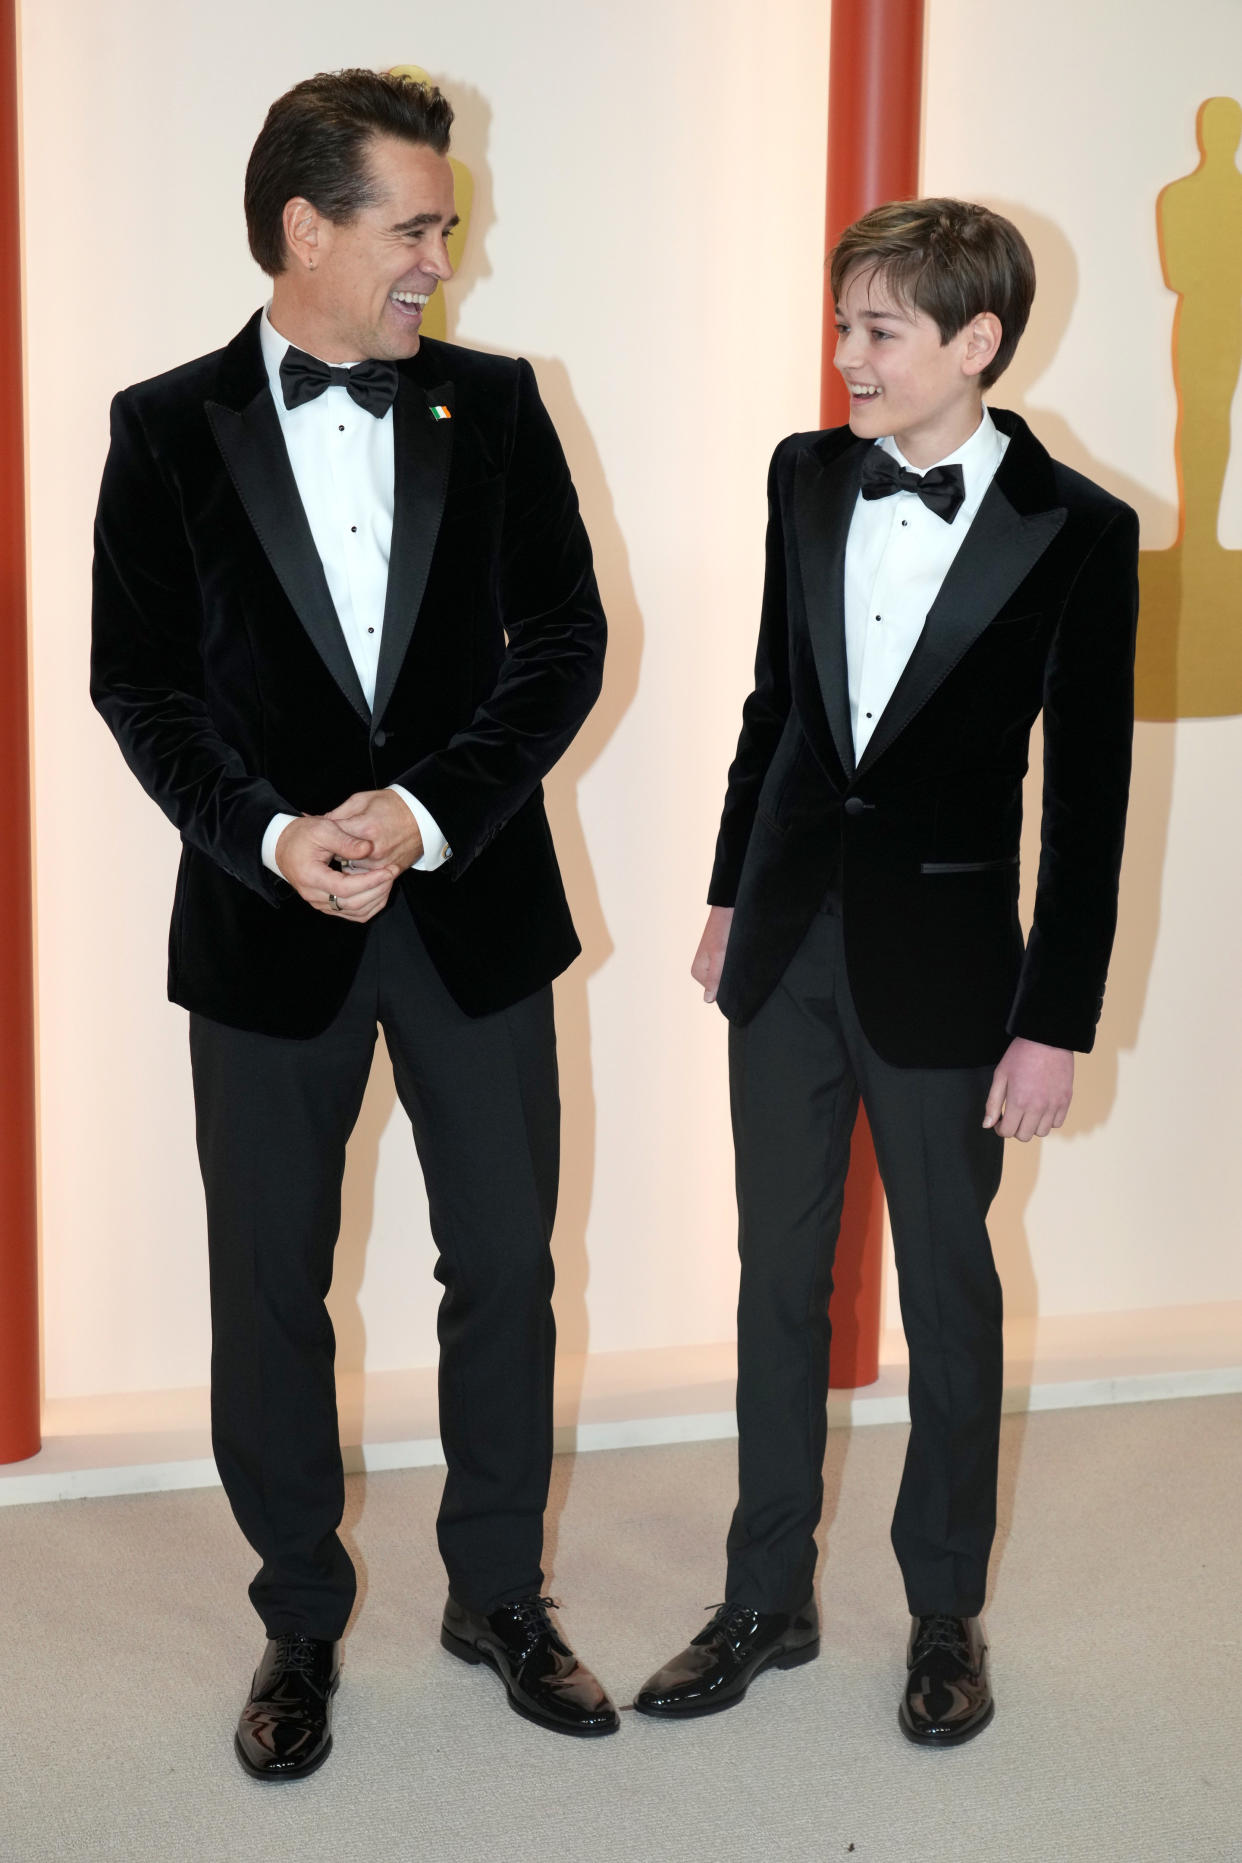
x,y
291,320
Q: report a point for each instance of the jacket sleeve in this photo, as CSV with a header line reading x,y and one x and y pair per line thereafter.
x,y
1088,730
765,712
552,669
147,677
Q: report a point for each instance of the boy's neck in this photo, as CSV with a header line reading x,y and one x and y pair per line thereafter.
x,y
927,445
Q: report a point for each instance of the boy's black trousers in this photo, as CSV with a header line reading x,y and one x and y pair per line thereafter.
x,y
796,1073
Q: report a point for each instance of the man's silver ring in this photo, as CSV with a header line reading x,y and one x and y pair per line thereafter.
x,y
334,902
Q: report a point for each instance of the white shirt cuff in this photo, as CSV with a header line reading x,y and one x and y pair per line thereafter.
x,y
436,850
275,828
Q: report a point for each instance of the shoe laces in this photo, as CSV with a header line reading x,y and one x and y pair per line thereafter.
x,y
532,1614
940,1631
295,1652
732,1621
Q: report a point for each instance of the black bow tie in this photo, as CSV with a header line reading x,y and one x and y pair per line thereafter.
x,y
373,385
942,489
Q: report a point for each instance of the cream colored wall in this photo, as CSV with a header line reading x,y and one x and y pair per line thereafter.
x,y
647,230
1073,118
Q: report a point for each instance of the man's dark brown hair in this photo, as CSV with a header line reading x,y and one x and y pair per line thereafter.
x,y
315,143
950,260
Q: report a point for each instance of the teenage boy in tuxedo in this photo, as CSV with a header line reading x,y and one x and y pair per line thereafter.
x,y
934,581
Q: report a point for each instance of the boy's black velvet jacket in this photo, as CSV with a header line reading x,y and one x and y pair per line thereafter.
x,y
921,839
219,664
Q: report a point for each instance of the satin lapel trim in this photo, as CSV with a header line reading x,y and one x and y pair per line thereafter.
x,y
824,500
422,455
253,449
1001,549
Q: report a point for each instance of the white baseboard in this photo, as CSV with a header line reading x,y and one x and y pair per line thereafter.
x,y
146,1442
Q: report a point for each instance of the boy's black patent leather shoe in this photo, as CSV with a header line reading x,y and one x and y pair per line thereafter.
x,y
718,1665
544,1679
285,1729
948,1697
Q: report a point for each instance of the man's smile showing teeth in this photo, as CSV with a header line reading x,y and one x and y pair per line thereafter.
x,y
409,300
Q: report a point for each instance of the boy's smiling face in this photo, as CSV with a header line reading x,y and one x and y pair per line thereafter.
x,y
903,380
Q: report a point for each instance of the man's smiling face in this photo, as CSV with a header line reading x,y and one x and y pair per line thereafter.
x,y
903,379
365,282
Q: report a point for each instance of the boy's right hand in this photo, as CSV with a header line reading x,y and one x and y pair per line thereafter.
x,y
710,956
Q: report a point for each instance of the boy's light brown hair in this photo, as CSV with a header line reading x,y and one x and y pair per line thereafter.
x,y
949,259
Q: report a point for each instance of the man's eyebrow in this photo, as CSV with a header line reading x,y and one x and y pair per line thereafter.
x,y
420,220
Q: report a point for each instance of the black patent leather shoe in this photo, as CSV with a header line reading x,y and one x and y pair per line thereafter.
x,y
285,1730
544,1679
948,1697
720,1664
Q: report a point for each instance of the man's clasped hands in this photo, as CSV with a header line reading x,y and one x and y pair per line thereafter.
x,y
344,863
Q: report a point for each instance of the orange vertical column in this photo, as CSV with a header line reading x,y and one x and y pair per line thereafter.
x,y
19,1280
875,93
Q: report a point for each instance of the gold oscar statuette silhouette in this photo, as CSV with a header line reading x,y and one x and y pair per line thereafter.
x,y
1190,625
434,315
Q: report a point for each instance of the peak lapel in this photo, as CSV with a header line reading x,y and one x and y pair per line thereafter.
x,y
824,499
422,455
1002,547
253,449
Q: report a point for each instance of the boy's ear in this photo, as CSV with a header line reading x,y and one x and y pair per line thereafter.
x,y
983,339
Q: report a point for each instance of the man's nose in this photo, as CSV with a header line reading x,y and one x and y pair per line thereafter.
x,y
436,260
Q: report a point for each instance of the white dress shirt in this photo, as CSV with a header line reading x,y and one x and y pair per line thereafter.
x,y
342,462
896,557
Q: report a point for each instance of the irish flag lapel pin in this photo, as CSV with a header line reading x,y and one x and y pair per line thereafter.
x,y
441,413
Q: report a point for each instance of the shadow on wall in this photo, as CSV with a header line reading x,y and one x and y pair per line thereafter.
x,y
1151,790
471,129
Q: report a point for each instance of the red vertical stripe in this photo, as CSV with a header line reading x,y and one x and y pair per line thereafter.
x,y
875,97
875,94
19,1287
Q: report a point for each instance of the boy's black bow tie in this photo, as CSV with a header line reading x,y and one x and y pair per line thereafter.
x,y
942,489
373,385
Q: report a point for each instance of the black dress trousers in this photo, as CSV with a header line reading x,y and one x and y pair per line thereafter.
x,y
796,1073
273,1118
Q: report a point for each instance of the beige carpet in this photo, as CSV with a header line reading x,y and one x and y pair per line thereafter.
x,y
1114,1625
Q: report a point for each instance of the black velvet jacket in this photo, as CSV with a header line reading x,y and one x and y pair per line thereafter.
x,y
921,838
220,666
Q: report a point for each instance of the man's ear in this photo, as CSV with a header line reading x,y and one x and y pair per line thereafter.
x,y
303,233
983,339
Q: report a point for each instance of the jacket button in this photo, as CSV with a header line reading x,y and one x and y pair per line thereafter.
x,y
854,805
380,739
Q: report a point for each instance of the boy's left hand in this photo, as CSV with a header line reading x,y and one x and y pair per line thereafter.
x,y
1031,1090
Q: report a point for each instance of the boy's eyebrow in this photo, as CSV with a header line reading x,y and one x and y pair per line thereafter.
x,y
874,315
419,220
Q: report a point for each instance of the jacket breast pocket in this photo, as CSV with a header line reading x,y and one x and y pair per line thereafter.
x,y
1016,628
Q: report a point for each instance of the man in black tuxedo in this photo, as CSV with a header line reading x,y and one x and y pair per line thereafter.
x,y
345,622
934,580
